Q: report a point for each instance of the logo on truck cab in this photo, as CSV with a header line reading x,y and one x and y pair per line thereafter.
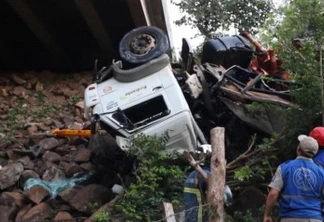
x,y
123,97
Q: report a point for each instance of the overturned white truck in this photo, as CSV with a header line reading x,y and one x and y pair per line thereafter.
x,y
143,93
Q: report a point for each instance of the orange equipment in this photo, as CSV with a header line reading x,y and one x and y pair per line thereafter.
x,y
71,132
267,62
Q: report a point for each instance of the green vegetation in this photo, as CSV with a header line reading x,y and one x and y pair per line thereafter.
x,y
296,32
102,216
74,99
249,216
157,179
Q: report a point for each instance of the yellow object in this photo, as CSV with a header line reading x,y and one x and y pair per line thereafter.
x,y
71,132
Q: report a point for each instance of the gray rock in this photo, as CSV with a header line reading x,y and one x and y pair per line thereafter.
x,y
68,194
87,166
37,194
58,124
19,91
26,162
22,212
63,216
43,127
80,105
83,155
12,155
51,157
39,86
76,126
18,80
63,150
10,174
91,194
25,176
40,212
35,139
12,199
3,92
32,130
53,174
67,121
72,169
49,143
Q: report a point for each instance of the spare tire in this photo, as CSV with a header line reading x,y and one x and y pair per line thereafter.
x,y
143,44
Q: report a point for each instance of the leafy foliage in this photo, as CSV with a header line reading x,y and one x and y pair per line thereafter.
x,y
249,216
243,173
296,32
156,180
209,15
102,216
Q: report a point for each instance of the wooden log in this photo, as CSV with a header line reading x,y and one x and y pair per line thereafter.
x,y
216,180
168,212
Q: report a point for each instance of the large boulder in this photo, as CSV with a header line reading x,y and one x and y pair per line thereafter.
x,y
53,174
63,216
37,194
49,143
12,199
27,174
89,195
9,174
40,212
83,155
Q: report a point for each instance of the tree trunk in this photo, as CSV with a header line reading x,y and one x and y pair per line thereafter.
x,y
216,180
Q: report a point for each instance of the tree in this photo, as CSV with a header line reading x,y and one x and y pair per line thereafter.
x,y
297,33
209,16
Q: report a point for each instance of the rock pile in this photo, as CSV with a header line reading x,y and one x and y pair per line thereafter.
x,y
31,105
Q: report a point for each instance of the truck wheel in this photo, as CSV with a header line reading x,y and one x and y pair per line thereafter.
x,y
143,44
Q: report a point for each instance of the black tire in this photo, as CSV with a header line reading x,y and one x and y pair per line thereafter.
x,y
132,51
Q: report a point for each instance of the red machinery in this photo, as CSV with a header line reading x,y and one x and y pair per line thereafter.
x,y
266,63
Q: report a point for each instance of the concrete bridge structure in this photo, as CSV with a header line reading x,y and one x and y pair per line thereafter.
x,y
70,34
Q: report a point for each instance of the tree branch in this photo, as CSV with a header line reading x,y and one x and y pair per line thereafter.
x,y
195,165
244,155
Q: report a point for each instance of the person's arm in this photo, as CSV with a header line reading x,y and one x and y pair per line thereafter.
x,y
275,186
271,200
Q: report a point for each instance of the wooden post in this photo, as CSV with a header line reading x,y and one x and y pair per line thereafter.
x,y
216,180
168,211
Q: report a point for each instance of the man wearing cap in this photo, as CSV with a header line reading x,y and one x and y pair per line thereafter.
x,y
318,134
298,186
